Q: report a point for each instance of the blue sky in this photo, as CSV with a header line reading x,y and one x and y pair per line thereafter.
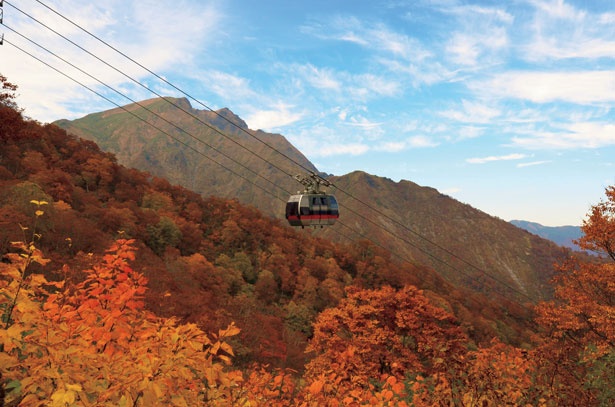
x,y
506,106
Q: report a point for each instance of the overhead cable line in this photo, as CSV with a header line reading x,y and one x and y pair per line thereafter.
x,y
159,77
160,129
211,127
179,128
376,210
144,120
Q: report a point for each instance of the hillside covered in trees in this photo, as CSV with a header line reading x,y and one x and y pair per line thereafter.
x,y
214,153
118,288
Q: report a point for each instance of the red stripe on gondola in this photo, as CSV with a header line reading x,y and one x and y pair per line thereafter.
x,y
295,217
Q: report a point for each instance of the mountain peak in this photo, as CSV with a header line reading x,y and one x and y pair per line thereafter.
x,y
225,115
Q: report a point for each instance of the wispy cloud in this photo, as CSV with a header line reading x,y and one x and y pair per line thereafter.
x,y
421,141
362,122
321,141
562,31
589,135
481,36
227,86
281,115
320,78
343,149
394,50
532,164
581,87
134,28
472,112
375,36
418,141
483,160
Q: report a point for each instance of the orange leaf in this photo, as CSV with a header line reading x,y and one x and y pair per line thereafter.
x,y
316,387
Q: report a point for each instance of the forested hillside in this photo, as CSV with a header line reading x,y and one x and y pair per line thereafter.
x,y
119,288
215,154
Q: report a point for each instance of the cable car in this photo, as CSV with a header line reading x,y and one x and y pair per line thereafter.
x,y
312,210
312,207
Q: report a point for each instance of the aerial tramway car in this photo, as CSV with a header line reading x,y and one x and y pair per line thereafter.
x,y
312,207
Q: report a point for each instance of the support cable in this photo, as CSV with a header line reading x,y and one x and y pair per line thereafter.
x,y
162,79
152,125
375,210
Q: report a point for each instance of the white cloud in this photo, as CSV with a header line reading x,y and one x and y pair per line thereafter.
x,y
468,132
483,160
584,87
463,49
421,141
425,73
394,50
472,112
321,78
362,122
321,140
379,85
228,87
469,48
133,28
556,9
418,141
562,31
532,164
343,149
280,116
338,85
472,13
607,18
576,135
481,36
392,146
373,36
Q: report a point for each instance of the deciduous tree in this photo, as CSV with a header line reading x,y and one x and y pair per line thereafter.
x,y
384,331
94,344
579,324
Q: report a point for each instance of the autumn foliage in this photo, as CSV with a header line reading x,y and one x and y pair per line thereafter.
x,y
118,288
92,342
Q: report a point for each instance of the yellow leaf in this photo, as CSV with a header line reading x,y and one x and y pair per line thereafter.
x,y
62,398
8,361
36,280
214,349
30,400
74,387
232,330
227,348
179,401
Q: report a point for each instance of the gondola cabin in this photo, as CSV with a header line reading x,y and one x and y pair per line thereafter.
x,y
312,210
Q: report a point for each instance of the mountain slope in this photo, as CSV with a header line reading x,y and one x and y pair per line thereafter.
x,y
561,235
465,245
203,151
209,261
416,223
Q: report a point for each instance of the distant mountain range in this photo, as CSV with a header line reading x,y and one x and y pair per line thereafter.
x,y
562,235
207,152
